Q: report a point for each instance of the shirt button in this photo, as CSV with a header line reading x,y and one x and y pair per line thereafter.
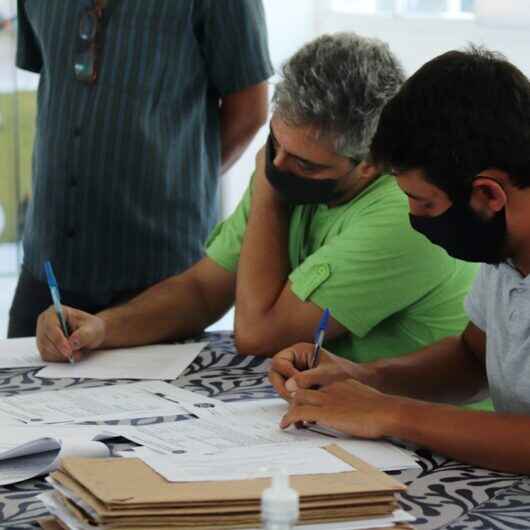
x,y
77,132
70,232
73,183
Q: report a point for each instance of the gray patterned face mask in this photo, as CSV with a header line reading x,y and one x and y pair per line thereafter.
x,y
295,189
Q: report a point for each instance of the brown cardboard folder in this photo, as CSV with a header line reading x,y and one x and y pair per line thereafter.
x,y
126,493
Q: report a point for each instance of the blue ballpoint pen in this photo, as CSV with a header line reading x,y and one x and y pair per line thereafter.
x,y
319,338
54,291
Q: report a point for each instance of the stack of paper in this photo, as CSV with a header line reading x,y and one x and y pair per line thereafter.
x,y
396,521
36,433
126,493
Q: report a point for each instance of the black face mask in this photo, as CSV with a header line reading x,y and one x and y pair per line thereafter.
x,y
295,189
464,234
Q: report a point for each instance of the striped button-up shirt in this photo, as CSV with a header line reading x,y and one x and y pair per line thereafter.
x,y
125,170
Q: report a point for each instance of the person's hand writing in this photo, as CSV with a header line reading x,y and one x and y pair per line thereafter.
x,y
87,333
349,407
290,371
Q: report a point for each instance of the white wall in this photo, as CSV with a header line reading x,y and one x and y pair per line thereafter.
x,y
416,40
290,23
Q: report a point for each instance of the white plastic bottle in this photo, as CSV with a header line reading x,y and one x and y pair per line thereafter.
x,y
279,504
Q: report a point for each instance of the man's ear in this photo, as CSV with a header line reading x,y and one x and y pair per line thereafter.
x,y
367,170
488,193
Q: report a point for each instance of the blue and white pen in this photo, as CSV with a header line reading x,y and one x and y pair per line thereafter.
x,y
320,333
54,291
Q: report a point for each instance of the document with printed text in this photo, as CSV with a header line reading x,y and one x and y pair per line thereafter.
x,y
114,402
246,463
256,423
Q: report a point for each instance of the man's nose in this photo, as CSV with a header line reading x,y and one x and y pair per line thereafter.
x,y
280,160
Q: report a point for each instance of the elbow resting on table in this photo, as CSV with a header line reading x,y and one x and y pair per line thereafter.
x,y
249,340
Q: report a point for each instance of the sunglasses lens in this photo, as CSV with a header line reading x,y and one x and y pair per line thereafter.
x,y
85,62
88,25
85,67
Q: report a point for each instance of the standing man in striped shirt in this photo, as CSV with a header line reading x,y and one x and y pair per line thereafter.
x,y
141,106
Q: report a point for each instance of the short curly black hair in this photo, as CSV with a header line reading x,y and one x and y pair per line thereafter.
x,y
459,114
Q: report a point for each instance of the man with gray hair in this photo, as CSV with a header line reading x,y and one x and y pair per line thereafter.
x,y
319,227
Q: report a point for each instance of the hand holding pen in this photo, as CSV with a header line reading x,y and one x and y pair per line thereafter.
x,y
314,360
54,291
320,334
308,366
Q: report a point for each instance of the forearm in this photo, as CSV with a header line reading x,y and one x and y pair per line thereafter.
x,y
264,265
444,372
173,309
241,115
485,439
235,138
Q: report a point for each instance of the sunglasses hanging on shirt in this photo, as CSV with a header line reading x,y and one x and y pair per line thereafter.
x,y
90,41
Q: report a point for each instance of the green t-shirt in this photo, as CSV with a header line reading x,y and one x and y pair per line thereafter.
x,y
386,283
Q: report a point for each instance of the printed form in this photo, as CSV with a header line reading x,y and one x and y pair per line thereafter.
x,y
254,423
247,463
115,402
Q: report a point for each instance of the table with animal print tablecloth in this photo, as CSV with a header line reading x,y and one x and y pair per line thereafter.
x,y
442,494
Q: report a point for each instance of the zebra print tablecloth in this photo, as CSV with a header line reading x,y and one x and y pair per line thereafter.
x,y
444,494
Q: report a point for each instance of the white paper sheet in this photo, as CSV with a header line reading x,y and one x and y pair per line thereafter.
x,y
124,401
271,409
39,451
70,495
24,440
380,454
8,421
19,353
53,503
158,362
136,452
191,402
256,423
399,516
209,435
247,462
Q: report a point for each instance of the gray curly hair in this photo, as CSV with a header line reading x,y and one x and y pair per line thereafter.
x,y
339,84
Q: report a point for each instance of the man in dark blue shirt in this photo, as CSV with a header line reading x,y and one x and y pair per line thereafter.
x,y
141,105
